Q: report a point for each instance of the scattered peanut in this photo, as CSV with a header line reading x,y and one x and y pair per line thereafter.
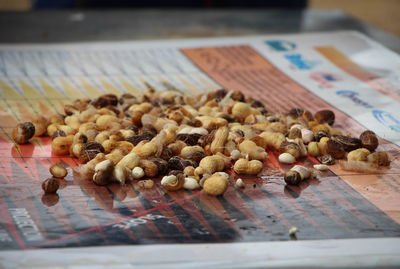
x,y
239,183
380,158
215,185
58,171
146,184
23,132
173,182
191,184
193,139
50,185
137,172
313,149
296,174
103,172
321,167
286,158
358,154
243,166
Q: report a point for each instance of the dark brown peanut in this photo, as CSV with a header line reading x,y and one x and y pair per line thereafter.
x,y
58,133
326,159
135,139
162,165
335,149
94,146
325,116
348,143
369,140
50,185
292,178
23,132
87,155
196,156
105,100
190,139
177,163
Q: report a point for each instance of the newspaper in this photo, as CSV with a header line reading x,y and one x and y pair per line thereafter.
x,y
343,71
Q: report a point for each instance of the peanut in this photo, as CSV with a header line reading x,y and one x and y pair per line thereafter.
x,y
243,166
215,185
212,164
248,147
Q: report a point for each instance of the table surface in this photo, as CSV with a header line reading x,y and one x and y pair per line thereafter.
x,y
49,26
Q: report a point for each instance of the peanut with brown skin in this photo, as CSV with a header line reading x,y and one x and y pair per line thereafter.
x,y
380,158
103,172
50,185
369,140
325,116
23,132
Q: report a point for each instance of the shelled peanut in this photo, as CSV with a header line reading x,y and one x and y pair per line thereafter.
x,y
189,140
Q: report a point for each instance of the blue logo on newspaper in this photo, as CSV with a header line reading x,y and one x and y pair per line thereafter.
x,y
387,119
281,45
325,79
299,62
353,96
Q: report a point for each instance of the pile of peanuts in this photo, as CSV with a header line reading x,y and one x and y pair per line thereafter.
x,y
191,140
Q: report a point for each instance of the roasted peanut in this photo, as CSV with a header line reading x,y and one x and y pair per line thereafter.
x,y
23,132
212,164
144,150
239,183
358,155
60,145
369,140
173,182
146,184
73,121
58,171
137,172
335,149
150,168
254,152
286,158
41,124
50,185
296,174
215,185
129,161
189,150
273,139
103,172
291,148
325,116
189,171
220,137
313,149
323,145
121,174
243,166
380,158
191,184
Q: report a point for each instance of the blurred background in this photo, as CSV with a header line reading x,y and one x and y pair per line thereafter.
x,y
383,14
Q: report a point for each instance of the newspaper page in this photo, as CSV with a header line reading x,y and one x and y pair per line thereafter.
x,y
345,72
